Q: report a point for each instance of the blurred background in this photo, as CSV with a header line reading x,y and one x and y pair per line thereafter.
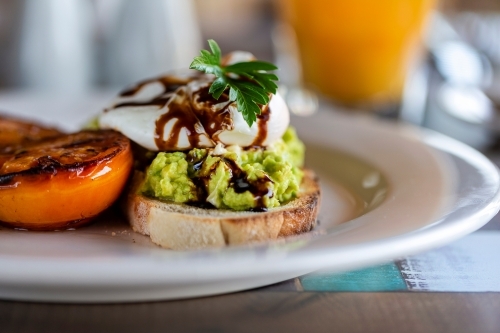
x,y
433,63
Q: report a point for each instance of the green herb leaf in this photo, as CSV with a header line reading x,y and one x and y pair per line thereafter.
x,y
215,48
218,86
249,82
266,81
245,102
258,94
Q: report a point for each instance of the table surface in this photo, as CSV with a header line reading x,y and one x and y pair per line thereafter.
x,y
262,311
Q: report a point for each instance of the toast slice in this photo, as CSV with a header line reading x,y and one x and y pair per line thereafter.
x,y
183,227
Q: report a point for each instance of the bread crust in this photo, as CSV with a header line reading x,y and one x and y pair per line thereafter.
x,y
183,227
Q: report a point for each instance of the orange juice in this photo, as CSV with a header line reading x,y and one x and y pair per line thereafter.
x,y
357,51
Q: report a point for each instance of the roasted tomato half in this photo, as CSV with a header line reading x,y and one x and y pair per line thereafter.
x,y
62,182
14,133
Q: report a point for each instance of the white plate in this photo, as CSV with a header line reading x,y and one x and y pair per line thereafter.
x,y
403,190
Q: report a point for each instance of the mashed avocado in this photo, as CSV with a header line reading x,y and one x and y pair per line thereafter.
x,y
230,178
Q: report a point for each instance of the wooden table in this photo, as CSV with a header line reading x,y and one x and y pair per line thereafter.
x,y
264,311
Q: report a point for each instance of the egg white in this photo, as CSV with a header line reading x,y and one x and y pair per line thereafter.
x,y
138,123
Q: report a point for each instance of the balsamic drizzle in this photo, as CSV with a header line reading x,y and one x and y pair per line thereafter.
x,y
189,116
170,84
262,120
241,183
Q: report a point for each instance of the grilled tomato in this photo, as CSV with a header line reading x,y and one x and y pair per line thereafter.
x,y
62,182
14,133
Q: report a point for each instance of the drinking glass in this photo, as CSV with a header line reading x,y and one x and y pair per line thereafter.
x,y
357,52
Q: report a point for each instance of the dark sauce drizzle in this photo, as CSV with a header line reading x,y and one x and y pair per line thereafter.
x,y
200,184
188,117
262,120
238,181
180,111
170,85
214,122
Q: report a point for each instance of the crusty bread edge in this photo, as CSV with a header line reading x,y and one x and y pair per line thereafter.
x,y
182,227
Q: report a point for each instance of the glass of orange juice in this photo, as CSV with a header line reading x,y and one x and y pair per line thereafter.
x,y
358,52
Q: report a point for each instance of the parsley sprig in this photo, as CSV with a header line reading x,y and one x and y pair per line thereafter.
x,y
250,82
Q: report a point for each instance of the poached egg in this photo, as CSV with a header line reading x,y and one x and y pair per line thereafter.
x,y
176,112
